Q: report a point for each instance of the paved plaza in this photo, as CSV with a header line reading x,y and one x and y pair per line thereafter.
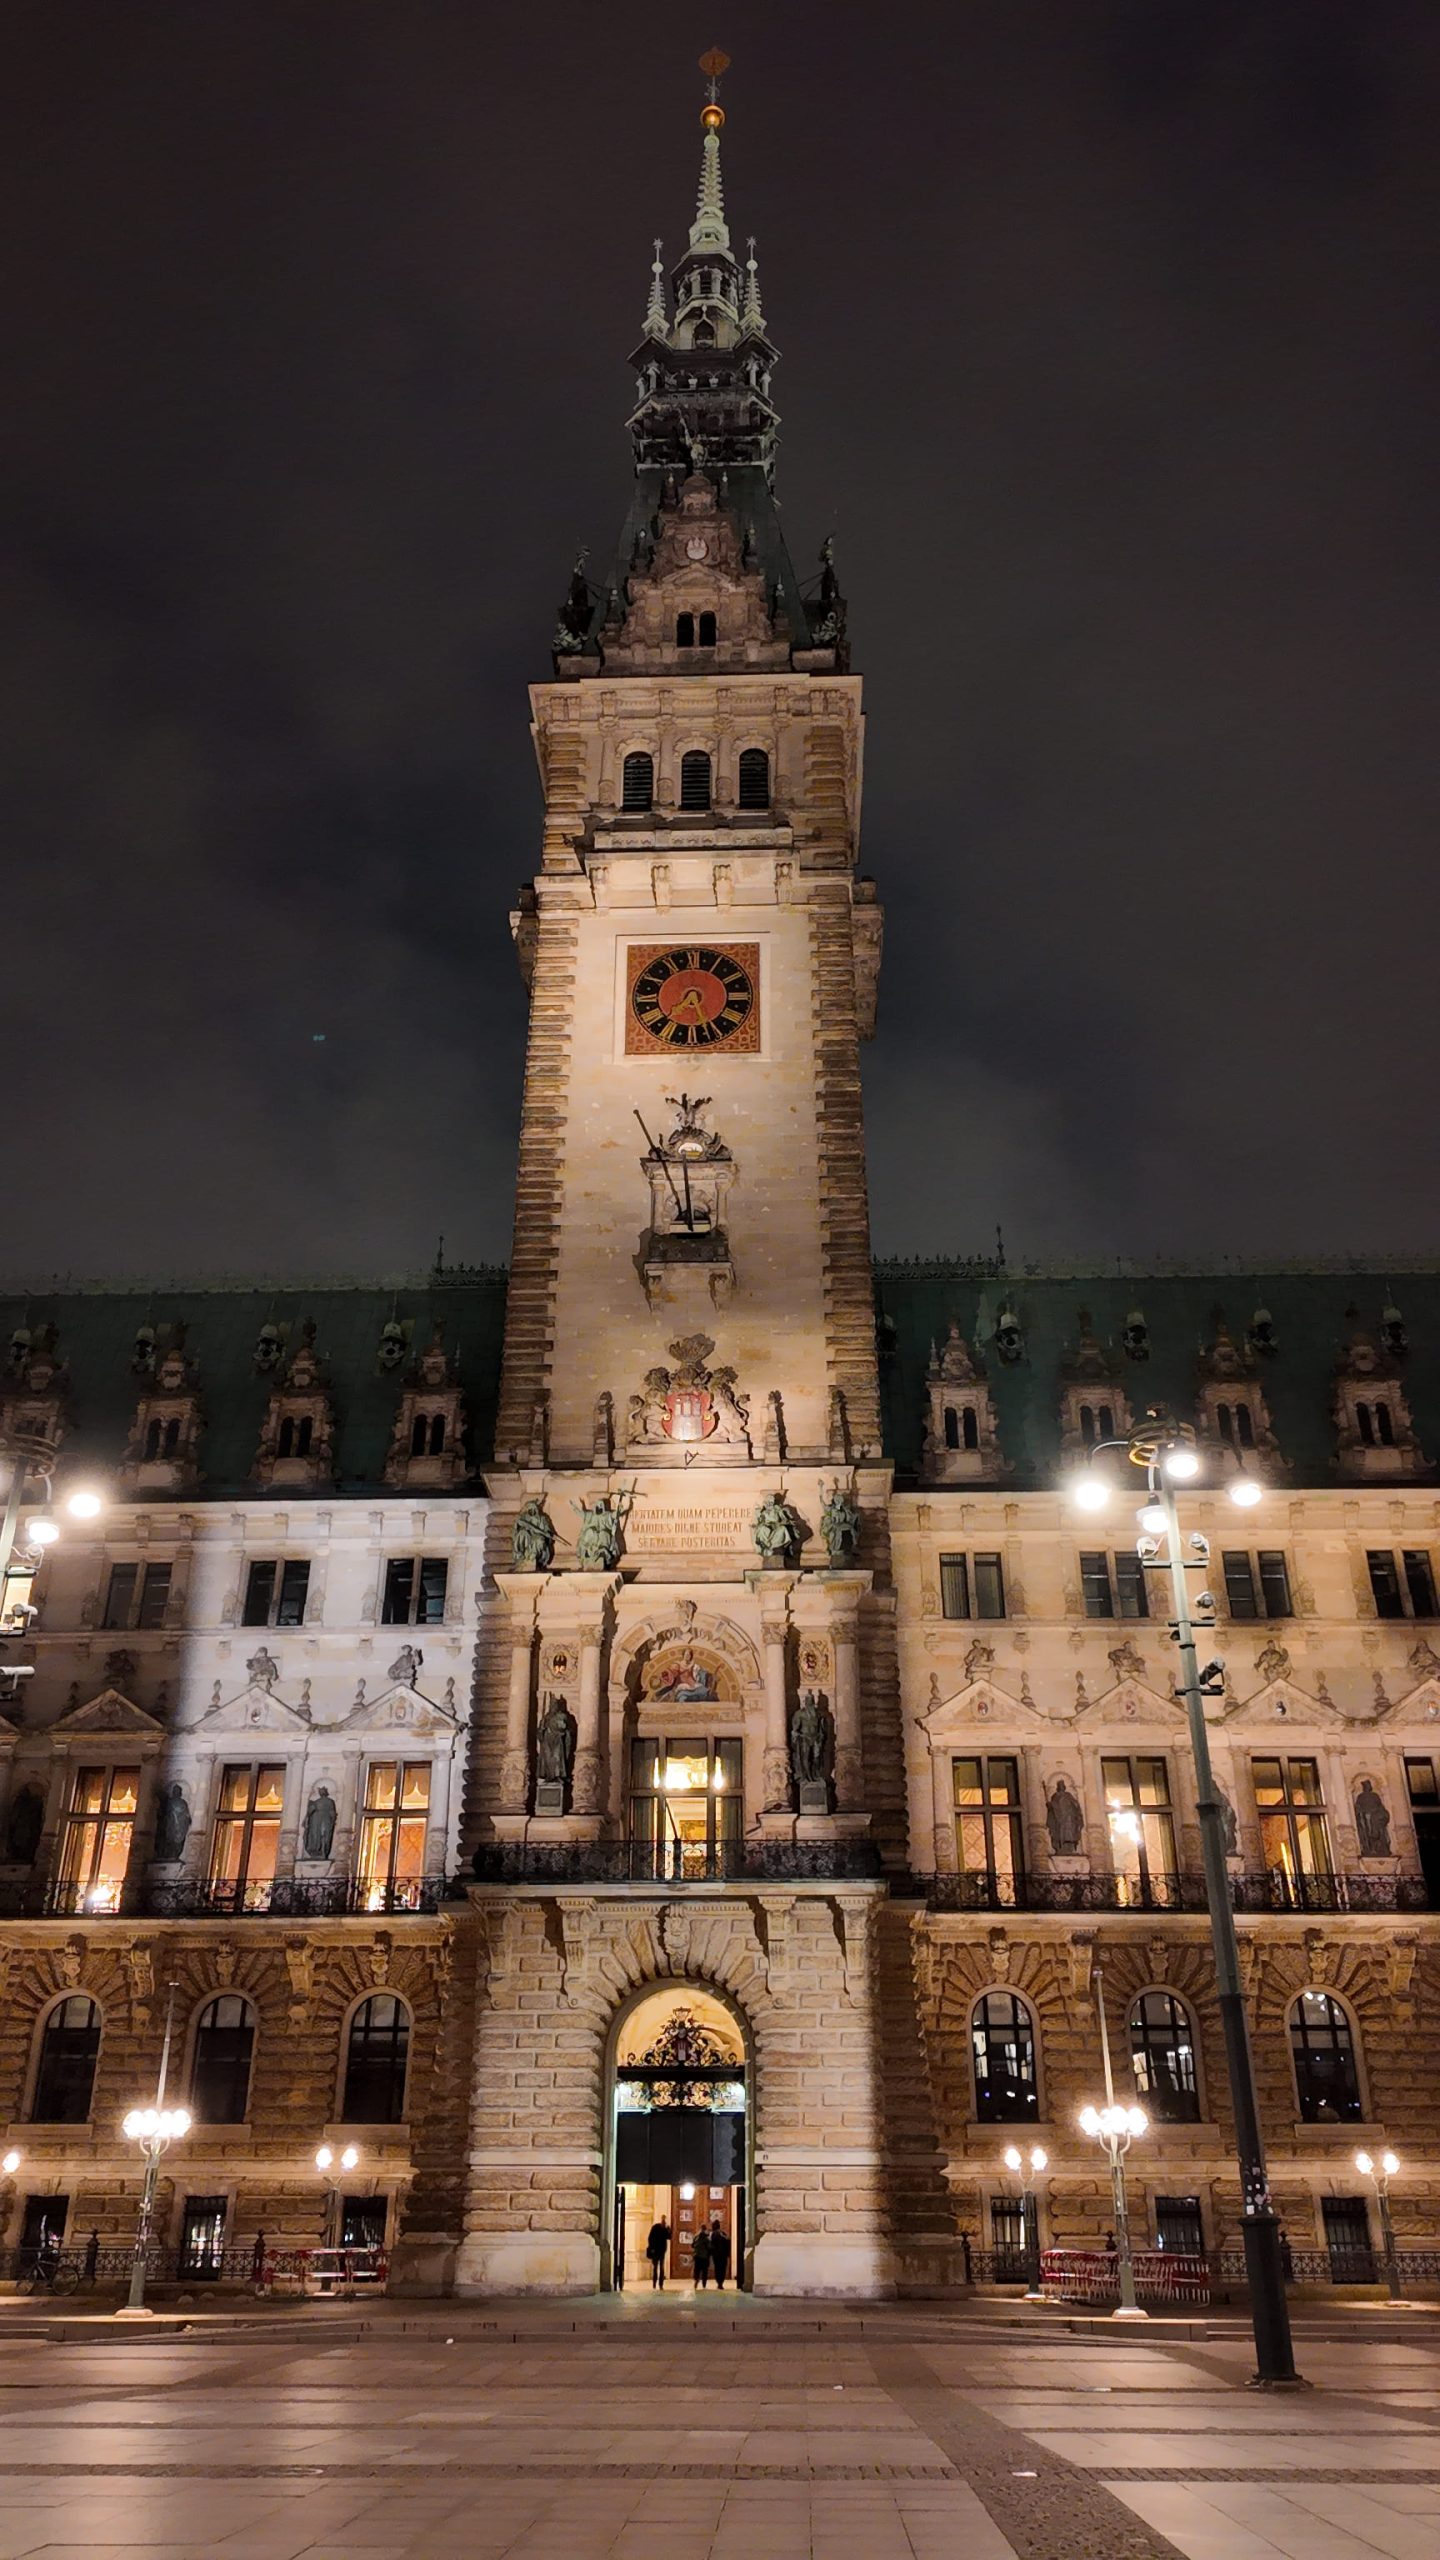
x,y
710,2429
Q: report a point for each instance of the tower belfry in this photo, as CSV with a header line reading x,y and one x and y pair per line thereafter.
x,y
689,1492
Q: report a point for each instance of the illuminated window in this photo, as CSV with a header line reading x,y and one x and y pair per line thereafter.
x,y
1294,1834
65,2067
1142,1829
247,1833
1162,2048
95,1851
1002,2041
989,1840
1322,2047
393,1827
686,1805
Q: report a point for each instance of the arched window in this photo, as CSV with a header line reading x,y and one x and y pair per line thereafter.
x,y
1244,1426
220,2074
1366,1421
1384,1427
375,2059
437,1435
684,630
1327,2082
708,632
637,785
304,1436
417,1436
1107,1422
704,336
172,1436
695,779
754,778
1225,1422
1002,2036
285,1445
952,1427
1087,1425
970,1427
152,1441
65,2070
1162,2047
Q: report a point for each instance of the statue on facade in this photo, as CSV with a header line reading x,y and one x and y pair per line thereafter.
x,y
1064,1821
777,1530
405,1669
23,1829
532,1539
554,1752
319,1833
263,1669
840,1525
172,1824
812,1741
1231,1826
601,1533
1372,1821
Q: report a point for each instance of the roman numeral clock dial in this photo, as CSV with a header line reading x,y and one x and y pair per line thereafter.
x,y
699,995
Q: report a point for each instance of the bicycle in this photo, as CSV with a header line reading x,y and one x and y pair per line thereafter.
x,y
48,2275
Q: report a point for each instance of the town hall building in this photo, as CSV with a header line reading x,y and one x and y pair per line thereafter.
x,y
646,1733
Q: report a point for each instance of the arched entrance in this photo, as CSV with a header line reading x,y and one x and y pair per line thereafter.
x,y
679,2131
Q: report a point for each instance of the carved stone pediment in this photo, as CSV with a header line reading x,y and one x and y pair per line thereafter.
x,y
404,1709
253,1709
110,1713
1277,1704
1418,1706
981,1706
1129,1702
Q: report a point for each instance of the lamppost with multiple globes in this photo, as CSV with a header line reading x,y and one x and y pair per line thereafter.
x,y
153,2128
1115,2128
1165,1452
1027,2170
1380,2172
325,2161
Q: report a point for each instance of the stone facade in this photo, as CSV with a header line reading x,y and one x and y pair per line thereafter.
x,y
420,1704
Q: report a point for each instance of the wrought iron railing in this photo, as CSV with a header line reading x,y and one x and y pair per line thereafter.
x,y
647,1862
1248,1893
196,1898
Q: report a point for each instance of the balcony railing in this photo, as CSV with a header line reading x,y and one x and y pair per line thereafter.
x,y
649,1862
1252,1893
195,1898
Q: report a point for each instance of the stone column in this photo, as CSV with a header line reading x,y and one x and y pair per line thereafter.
x,y
521,1594
776,1780
588,1794
946,1853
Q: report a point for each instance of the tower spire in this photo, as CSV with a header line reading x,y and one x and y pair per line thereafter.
x,y
751,316
656,323
709,229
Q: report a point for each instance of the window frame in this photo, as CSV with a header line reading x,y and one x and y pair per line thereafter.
x,y
1156,1821
149,1575
250,1820
992,1811
690,763
989,2034
1309,2099
358,2008
1302,1818
637,756
95,2025
245,2026
417,1611
79,1823
289,1593
1155,2091
402,1893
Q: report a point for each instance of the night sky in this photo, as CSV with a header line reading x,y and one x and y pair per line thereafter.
x,y
1109,359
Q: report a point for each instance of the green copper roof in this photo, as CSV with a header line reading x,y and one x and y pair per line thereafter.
x,y
917,1302
95,1339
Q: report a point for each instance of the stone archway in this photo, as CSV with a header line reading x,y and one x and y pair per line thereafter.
x,y
678,2128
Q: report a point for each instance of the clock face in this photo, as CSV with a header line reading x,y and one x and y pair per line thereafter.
x,y
697,995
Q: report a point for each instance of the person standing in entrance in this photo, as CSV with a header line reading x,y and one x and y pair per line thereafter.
x,y
701,2257
657,2250
719,2254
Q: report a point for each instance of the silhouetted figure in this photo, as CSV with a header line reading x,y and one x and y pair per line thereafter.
x,y
701,2257
657,2250
719,2255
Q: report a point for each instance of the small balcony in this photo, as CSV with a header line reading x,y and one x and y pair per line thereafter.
x,y
1268,1891
675,1864
195,1898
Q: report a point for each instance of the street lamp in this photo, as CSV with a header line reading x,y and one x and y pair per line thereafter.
x,y
30,1454
152,2127
1166,1452
11,2162
1116,2128
1027,2173
325,2161
1380,2173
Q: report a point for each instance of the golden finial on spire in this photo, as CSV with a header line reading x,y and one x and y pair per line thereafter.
x,y
713,64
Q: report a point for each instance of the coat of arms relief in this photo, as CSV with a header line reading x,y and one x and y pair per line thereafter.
x,y
691,1405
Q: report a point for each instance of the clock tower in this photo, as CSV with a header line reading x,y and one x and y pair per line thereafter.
x,y
687,1674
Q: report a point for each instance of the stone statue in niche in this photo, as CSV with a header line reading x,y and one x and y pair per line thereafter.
x,y
554,1755
172,1824
840,1525
532,1539
1372,1821
1064,1821
601,1534
812,1751
23,1828
319,1833
1231,1826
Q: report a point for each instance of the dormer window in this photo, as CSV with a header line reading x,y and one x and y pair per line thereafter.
x,y
694,774
1376,1425
704,334
637,788
754,790
296,1436
162,1439
427,1436
1236,1425
1097,1422
707,631
684,630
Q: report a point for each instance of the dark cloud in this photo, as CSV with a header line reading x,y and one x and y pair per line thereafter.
x,y
1108,339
